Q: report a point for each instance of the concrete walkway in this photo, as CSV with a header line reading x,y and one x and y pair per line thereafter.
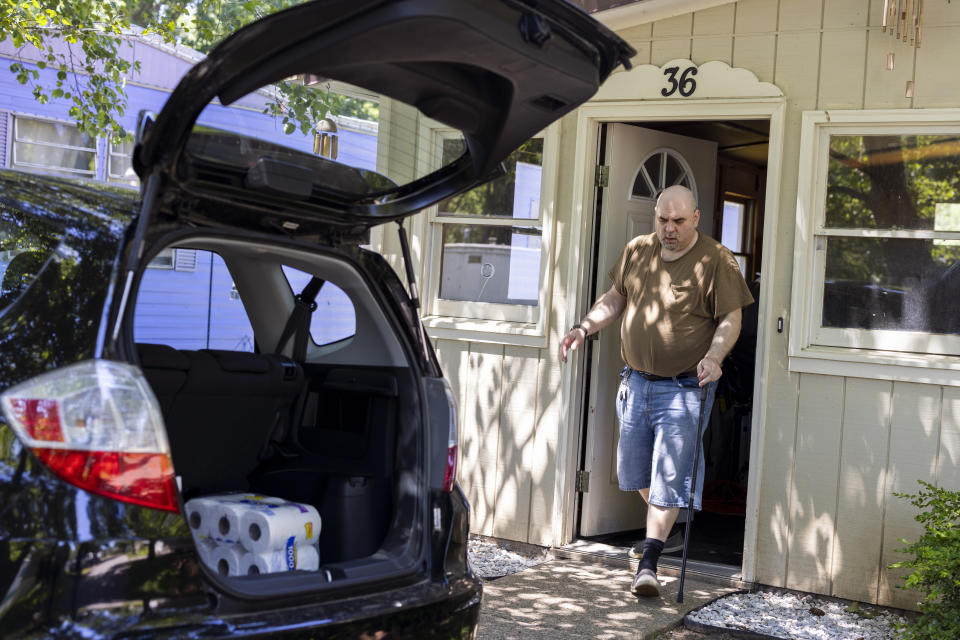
x,y
571,599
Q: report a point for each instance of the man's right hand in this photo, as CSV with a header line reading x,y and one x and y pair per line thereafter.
x,y
605,310
574,338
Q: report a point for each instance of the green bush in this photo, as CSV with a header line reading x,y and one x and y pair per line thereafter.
x,y
935,564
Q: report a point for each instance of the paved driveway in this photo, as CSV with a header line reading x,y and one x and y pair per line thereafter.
x,y
572,599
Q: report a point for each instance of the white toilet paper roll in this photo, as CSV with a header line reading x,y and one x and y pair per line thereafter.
x,y
200,515
299,557
269,527
205,549
225,559
226,527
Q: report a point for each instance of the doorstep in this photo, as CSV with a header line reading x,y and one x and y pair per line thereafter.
x,y
616,556
566,599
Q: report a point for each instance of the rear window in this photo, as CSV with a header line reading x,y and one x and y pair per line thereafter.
x,y
334,318
339,142
26,243
187,300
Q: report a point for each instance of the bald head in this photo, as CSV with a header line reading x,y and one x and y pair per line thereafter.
x,y
676,217
681,197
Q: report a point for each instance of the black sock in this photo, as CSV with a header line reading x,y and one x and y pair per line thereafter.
x,y
652,548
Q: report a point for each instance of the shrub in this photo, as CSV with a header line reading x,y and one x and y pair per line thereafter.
x,y
935,564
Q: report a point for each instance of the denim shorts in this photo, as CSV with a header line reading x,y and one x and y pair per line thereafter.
x,y
658,431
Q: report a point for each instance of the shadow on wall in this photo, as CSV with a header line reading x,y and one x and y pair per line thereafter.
x,y
837,527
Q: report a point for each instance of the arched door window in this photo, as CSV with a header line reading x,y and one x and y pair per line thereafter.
x,y
661,169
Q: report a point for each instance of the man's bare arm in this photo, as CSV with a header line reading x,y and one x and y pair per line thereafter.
x,y
604,311
723,340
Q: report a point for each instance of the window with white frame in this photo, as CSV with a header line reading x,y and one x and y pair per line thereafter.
x,y
879,264
735,221
661,169
53,147
120,163
176,259
487,244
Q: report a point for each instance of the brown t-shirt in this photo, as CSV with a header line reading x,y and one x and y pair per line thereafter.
x,y
673,308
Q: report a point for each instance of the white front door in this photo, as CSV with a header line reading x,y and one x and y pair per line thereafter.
x,y
642,162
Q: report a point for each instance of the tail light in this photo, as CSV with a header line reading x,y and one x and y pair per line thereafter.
x,y
450,475
97,425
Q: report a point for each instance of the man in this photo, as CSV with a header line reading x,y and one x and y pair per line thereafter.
x,y
680,295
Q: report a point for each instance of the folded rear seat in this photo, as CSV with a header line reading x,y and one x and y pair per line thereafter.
x,y
165,369
220,419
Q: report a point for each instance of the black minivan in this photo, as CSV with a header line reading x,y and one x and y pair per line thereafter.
x,y
109,435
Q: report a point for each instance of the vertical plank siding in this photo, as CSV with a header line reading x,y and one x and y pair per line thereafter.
x,y
503,467
713,34
914,444
948,456
481,428
842,59
755,39
517,431
671,39
813,499
862,488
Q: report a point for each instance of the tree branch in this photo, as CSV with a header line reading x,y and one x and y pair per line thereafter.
x,y
859,195
849,162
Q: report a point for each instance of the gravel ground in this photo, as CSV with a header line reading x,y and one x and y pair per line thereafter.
x,y
798,616
490,560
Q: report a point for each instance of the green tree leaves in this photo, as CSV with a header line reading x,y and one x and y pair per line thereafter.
x,y
71,36
84,40
935,564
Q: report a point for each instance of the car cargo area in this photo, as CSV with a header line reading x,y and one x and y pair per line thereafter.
x,y
225,413
330,437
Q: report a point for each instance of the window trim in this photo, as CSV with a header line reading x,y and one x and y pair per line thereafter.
x,y
153,264
667,152
746,229
857,352
524,325
39,168
109,175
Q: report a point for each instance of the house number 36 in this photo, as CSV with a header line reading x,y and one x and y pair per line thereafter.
x,y
686,85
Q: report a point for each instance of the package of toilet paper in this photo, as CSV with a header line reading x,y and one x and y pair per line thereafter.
x,y
240,534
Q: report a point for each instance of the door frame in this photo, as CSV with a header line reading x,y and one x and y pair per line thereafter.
x,y
589,119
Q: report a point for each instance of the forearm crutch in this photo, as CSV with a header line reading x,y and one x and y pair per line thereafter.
x,y
693,489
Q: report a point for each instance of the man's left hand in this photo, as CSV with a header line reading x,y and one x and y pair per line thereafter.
x,y
708,370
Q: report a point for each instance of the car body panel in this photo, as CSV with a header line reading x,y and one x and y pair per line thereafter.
x,y
498,72
73,563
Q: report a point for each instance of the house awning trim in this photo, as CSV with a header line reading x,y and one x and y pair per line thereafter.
x,y
682,79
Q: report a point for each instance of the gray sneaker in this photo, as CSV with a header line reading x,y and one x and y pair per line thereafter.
x,y
645,583
673,544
